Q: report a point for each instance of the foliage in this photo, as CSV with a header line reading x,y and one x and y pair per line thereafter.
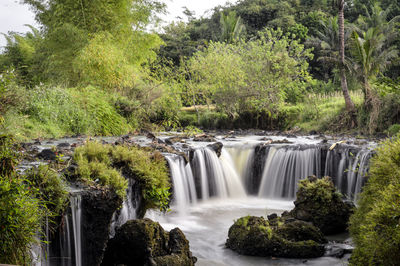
x,y
94,165
20,220
151,171
9,157
374,226
103,163
258,75
232,27
51,189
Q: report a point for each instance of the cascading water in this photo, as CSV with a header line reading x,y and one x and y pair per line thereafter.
x,y
65,243
284,167
128,210
183,183
76,210
348,169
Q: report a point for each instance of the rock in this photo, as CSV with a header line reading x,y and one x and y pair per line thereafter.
x,y
256,236
318,202
173,140
313,132
47,154
204,138
64,146
98,206
217,147
144,242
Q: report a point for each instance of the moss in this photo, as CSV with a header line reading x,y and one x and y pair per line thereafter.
x,y
94,165
104,163
375,224
255,236
51,188
318,202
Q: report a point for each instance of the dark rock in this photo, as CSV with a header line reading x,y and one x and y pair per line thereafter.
x,y
319,203
47,154
272,216
313,132
257,237
63,145
217,147
144,242
98,206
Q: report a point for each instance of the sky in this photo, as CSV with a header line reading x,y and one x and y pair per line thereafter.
x,y
13,15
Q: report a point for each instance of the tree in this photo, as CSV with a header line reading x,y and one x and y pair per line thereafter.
x,y
372,54
232,27
349,103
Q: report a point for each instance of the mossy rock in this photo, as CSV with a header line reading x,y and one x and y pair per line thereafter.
x,y
318,202
144,242
256,236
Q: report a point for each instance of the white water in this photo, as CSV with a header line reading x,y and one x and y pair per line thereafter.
x,y
76,210
183,183
284,167
127,212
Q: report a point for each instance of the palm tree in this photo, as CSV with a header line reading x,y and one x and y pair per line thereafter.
x,y
372,54
232,27
349,103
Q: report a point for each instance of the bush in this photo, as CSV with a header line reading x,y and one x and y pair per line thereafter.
x,y
8,155
151,171
94,165
393,130
51,189
20,220
375,224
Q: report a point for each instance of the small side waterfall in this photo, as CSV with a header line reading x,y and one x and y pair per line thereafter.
x,y
284,167
76,210
65,243
128,210
348,169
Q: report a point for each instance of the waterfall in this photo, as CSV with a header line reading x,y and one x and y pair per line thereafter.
x,y
348,170
76,210
128,210
183,183
65,243
200,165
284,167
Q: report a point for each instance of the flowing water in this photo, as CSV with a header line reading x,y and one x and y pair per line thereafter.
x,y
210,192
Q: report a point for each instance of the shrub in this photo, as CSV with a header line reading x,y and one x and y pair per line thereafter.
x,y
51,189
94,165
8,155
151,171
20,221
394,129
375,224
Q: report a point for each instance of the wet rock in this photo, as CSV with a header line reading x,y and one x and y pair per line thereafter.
x,y
144,242
313,132
98,206
217,147
318,202
338,250
47,154
64,146
204,138
173,140
256,236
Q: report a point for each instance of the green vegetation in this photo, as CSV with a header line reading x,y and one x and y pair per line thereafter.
x,y
94,69
103,164
375,224
21,213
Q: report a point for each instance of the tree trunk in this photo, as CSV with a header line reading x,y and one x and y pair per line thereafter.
x,y
349,103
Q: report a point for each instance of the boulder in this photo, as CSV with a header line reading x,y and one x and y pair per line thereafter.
x,y
318,202
217,147
204,138
144,242
256,236
47,155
